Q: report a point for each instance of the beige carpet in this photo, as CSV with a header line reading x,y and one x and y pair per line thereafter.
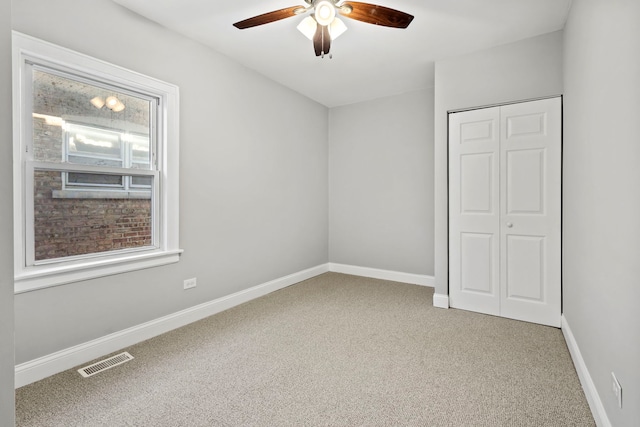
x,y
336,350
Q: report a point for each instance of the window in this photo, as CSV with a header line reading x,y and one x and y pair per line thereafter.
x,y
95,167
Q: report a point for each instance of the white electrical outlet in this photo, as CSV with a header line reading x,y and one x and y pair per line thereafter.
x,y
190,283
617,389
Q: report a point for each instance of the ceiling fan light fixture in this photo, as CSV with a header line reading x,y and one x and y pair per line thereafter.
x,y
336,28
308,27
325,12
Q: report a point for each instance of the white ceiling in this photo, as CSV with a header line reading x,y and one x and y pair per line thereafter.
x,y
369,61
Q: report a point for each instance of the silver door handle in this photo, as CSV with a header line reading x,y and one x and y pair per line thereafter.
x,y
509,225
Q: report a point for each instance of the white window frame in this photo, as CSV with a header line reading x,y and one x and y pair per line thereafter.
x,y
31,276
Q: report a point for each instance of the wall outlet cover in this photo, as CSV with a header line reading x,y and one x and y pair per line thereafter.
x,y
190,283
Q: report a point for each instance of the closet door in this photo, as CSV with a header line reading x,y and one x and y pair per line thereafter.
x,y
474,210
504,211
531,182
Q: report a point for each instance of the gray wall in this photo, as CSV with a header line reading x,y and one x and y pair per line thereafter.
x,y
530,68
381,183
6,224
253,179
602,196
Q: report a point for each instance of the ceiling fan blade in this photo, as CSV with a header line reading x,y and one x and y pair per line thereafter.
x,y
266,18
322,40
374,14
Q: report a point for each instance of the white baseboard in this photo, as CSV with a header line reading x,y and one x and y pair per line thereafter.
x,y
54,363
441,300
375,273
593,398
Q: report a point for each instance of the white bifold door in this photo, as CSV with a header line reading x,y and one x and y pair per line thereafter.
x,y
505,211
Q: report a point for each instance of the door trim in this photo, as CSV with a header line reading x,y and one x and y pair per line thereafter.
x,y
499,104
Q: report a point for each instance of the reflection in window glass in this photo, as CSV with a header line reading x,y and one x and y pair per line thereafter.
x,y
59,101
102,147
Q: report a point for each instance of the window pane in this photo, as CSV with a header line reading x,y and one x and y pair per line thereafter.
x,y
97,120
95,179
140,146
141,181
94,143
95,223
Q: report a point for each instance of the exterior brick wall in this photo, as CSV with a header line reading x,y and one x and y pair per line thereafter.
x,y
77,226
67,227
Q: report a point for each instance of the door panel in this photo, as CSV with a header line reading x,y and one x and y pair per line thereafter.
x,y
476,253
504,211
525,181
525,268
531,174
476,191
526,124
478,130
474,210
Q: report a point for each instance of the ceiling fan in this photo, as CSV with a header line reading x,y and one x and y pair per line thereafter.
x,y
322,26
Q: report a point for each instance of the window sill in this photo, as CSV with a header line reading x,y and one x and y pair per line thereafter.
x,y
100,194
55,275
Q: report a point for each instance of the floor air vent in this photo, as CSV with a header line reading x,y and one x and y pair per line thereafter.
x,y
105,364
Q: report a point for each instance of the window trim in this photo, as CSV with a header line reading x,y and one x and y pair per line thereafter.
x,y
29,50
